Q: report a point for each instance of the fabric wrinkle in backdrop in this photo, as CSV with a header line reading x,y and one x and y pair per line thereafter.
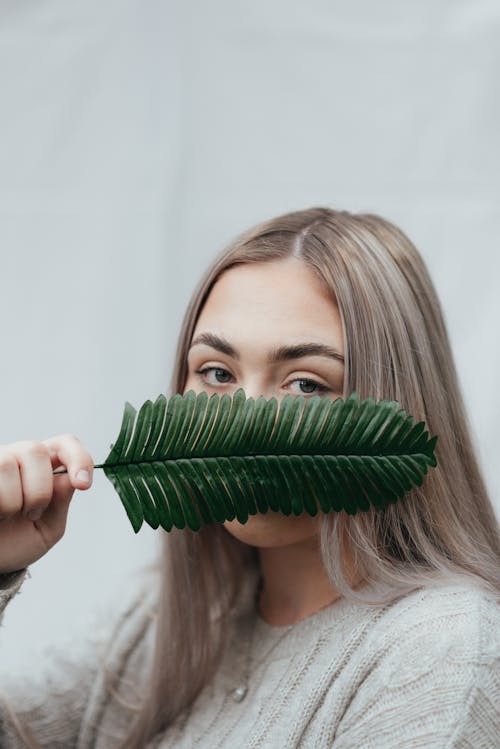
x,y
138,138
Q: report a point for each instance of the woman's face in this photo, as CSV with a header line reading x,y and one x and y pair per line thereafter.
x,y
272,329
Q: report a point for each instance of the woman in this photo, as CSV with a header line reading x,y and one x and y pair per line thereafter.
x,y
373,630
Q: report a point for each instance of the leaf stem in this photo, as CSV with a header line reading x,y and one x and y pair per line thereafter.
x,y
65,470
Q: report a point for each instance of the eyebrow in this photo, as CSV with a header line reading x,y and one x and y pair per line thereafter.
x,y
279,354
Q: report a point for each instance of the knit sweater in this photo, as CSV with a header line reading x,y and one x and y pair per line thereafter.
x,y
420,672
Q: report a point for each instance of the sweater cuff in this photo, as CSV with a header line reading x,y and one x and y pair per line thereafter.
x,y
10,582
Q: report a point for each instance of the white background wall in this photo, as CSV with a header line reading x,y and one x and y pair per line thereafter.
x,y
138,137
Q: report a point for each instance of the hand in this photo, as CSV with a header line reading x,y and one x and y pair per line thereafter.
x,y
33,502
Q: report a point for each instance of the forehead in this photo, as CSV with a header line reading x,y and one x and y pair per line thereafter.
x,y
271,301
287,283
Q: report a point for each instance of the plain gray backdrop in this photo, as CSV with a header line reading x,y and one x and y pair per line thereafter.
x,y
138,137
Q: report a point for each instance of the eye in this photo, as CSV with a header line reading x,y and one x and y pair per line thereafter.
x,y
310,387
222,376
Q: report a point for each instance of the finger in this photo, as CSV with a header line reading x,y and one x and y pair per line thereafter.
x,y
55,516
36,475
11,491
67,450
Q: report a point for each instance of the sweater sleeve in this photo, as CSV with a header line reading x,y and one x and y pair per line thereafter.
x,y
435,683
48,706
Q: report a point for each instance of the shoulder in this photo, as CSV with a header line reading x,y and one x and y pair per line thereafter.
x,y
453,622
447,615
430,667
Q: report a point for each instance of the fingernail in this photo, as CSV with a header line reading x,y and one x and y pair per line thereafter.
x,y
83,476
34,514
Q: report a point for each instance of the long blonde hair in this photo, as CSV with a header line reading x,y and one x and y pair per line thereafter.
x,y
396,347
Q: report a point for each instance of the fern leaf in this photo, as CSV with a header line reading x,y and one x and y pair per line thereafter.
x,y
192,459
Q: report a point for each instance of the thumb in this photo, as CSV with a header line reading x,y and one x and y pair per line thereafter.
x,y
65,450
55,515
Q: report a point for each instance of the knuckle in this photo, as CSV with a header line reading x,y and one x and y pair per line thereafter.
x,y
32,448
8,462
38,450
23,444
70,437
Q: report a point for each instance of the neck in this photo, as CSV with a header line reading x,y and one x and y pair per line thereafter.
x,y
294,583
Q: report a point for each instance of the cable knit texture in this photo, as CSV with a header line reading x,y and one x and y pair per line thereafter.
x,y
422,672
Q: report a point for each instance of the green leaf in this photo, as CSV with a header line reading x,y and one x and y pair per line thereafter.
x,y
193,460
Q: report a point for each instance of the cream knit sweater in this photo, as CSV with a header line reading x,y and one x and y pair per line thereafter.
x,y
422,672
